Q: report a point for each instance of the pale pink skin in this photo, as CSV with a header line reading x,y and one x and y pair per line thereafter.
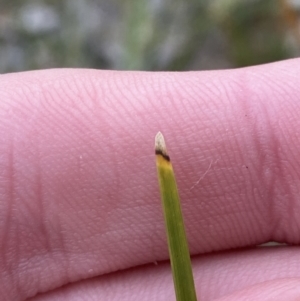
x,y
79,198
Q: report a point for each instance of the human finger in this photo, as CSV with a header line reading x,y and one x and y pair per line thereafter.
x,y
79,193
254,274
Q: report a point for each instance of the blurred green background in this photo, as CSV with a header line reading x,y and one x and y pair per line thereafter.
x,y
147,34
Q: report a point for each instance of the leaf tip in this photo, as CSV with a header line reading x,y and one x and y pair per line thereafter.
x,y
160,146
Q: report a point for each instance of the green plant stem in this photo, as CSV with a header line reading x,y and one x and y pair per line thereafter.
x,y
177,242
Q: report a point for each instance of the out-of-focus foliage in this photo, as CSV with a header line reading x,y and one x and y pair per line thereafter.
x,y
146,34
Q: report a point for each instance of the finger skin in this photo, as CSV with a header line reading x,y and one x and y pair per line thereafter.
x,y
256,274
276,290
78,187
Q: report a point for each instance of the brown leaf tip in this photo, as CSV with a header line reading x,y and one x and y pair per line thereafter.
x,y
160,146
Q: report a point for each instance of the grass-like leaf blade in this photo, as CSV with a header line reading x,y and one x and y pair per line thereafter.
x,y
177,242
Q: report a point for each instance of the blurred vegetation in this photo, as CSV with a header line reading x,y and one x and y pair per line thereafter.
x,y
146,34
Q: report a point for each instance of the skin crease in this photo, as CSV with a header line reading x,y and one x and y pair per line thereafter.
x,y
79,198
